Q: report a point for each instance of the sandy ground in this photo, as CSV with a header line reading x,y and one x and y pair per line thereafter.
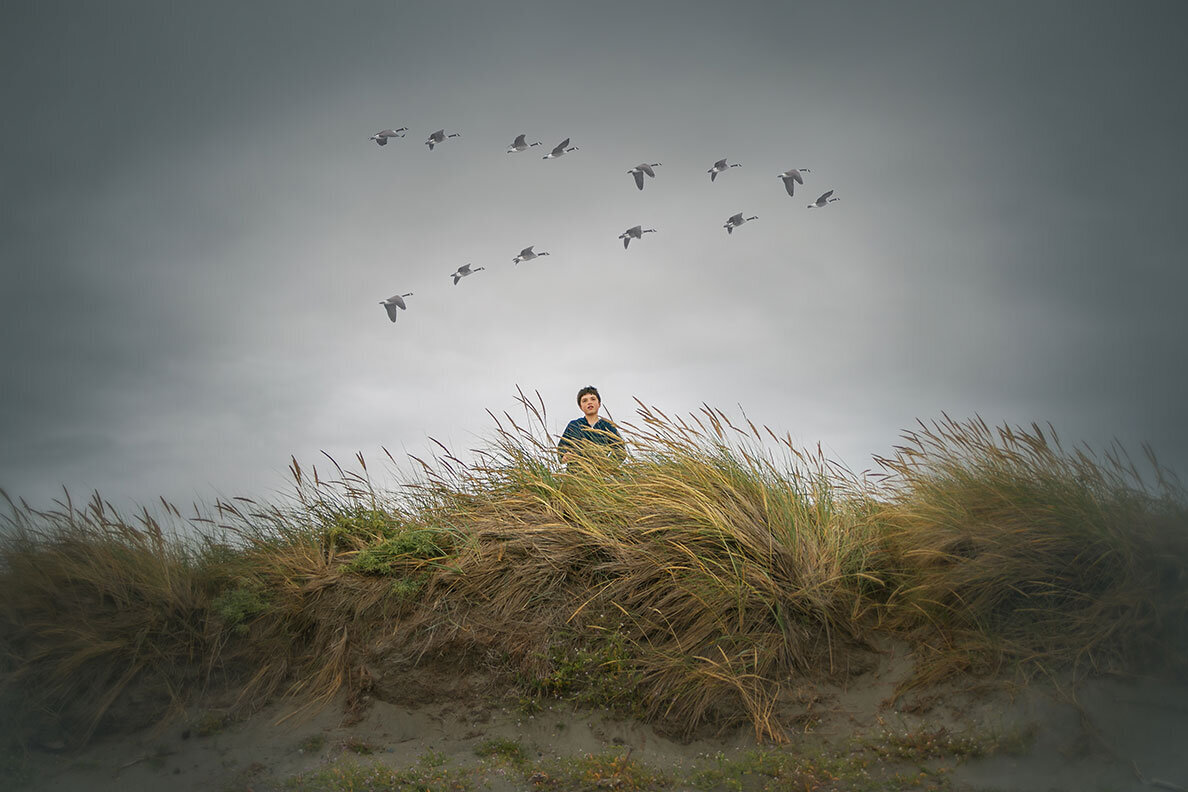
x,y
1119,735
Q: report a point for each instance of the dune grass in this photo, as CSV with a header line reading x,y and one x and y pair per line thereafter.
x,y
1015,550
687,586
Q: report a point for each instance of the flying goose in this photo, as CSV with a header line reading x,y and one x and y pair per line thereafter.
x,y
639,170
720,166
736,220
562,148
521,144
439,137
394,304
381,137
463,271
792,175
527,254
821,202
635,232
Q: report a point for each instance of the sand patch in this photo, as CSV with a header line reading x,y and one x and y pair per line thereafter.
x,y
1115,735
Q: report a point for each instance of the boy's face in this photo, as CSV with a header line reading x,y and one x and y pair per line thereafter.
x,y
589,404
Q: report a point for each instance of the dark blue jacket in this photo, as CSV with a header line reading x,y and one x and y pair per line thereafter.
x,y
603,433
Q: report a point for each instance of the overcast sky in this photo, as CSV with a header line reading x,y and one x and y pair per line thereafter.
x,y
196,232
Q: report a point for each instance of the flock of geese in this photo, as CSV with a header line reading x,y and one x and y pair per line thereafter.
x,y
791,177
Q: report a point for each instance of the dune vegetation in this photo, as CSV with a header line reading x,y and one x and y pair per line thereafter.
x,y
691,586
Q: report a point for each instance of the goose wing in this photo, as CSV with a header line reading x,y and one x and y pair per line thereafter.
x,y
638,178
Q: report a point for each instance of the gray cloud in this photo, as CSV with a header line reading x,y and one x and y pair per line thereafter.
x,y
196,232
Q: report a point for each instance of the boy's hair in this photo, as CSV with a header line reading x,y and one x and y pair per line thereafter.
x,y
588,389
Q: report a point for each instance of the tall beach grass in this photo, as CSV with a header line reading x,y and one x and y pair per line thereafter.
x,y
696,584
1014,549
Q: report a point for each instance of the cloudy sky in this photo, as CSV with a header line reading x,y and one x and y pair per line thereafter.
x,y
195,232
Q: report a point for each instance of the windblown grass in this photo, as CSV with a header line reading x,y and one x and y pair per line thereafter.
x,y
92,602
1015,550
722,572
687,586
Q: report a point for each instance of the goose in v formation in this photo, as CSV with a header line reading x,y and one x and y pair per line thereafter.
x,y
560,150
440,137
395,304
823,201
463,271
527,254
720,166
736,220
521,144
639,170
381,137
635,232
792,177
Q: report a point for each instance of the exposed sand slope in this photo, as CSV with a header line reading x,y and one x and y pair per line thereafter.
x,y
1120,735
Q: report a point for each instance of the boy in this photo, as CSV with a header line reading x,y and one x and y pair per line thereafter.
x,y
591,435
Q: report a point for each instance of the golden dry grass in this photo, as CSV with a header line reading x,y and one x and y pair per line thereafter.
x,y
716,566
1016,550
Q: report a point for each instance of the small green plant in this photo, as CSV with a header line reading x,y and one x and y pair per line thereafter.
x,y
211,723
597,772
919,745
406,589
312,743
529,705
599,673
357,745
430,774
395,552
236,608
502,748
807,768
355,527
345,775
433,759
